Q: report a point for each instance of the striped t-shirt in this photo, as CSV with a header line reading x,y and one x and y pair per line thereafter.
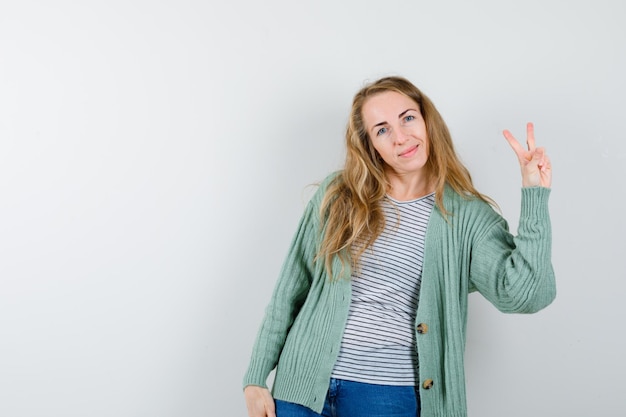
x,y
378,345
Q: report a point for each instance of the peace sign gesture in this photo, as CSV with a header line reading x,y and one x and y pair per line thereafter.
x,y
534,162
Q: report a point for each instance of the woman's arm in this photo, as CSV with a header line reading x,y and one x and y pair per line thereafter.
x,y
289,294
515,272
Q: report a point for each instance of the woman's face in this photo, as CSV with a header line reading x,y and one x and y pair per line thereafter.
x,y
397,131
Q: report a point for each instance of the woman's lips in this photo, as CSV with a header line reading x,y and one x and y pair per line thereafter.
x,y
409,152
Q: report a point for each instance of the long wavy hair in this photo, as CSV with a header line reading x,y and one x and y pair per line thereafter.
x,y
351,211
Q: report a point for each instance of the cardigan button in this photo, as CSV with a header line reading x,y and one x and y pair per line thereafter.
x,y
422,328
428,384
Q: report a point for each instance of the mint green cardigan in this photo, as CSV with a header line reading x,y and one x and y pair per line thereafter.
x,y
303,325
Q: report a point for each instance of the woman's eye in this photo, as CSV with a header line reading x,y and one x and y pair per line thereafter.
x,y
381,131
409,118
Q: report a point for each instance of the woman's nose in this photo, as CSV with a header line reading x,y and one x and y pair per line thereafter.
x,y
400,136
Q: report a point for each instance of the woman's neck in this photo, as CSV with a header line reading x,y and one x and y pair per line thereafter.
x,y
409,187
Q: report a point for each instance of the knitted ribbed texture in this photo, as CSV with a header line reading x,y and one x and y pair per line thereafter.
x,y
304,321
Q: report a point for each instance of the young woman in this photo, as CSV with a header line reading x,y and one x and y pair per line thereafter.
x,y
369,313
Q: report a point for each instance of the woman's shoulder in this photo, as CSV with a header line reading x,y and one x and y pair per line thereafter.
x,y
465,199
330,178
322,186
467,204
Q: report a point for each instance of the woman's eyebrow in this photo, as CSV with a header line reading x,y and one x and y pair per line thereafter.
x,y
405,112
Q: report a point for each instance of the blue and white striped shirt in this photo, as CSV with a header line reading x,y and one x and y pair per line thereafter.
x,y
378,345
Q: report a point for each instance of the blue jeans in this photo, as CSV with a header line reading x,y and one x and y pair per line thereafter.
x,y
357,399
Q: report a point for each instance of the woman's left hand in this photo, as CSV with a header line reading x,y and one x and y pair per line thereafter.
x,y
534,162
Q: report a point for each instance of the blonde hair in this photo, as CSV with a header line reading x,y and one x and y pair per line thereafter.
x,y
351,211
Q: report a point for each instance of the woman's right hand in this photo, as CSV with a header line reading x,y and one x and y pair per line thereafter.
x,y
259,401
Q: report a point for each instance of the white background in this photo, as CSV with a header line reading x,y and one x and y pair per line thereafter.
x,y
155,157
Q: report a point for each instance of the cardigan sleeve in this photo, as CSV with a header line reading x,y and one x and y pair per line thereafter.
x,y
515,272
290,292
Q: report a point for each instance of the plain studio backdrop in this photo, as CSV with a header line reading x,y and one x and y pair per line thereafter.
x,y
155,157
